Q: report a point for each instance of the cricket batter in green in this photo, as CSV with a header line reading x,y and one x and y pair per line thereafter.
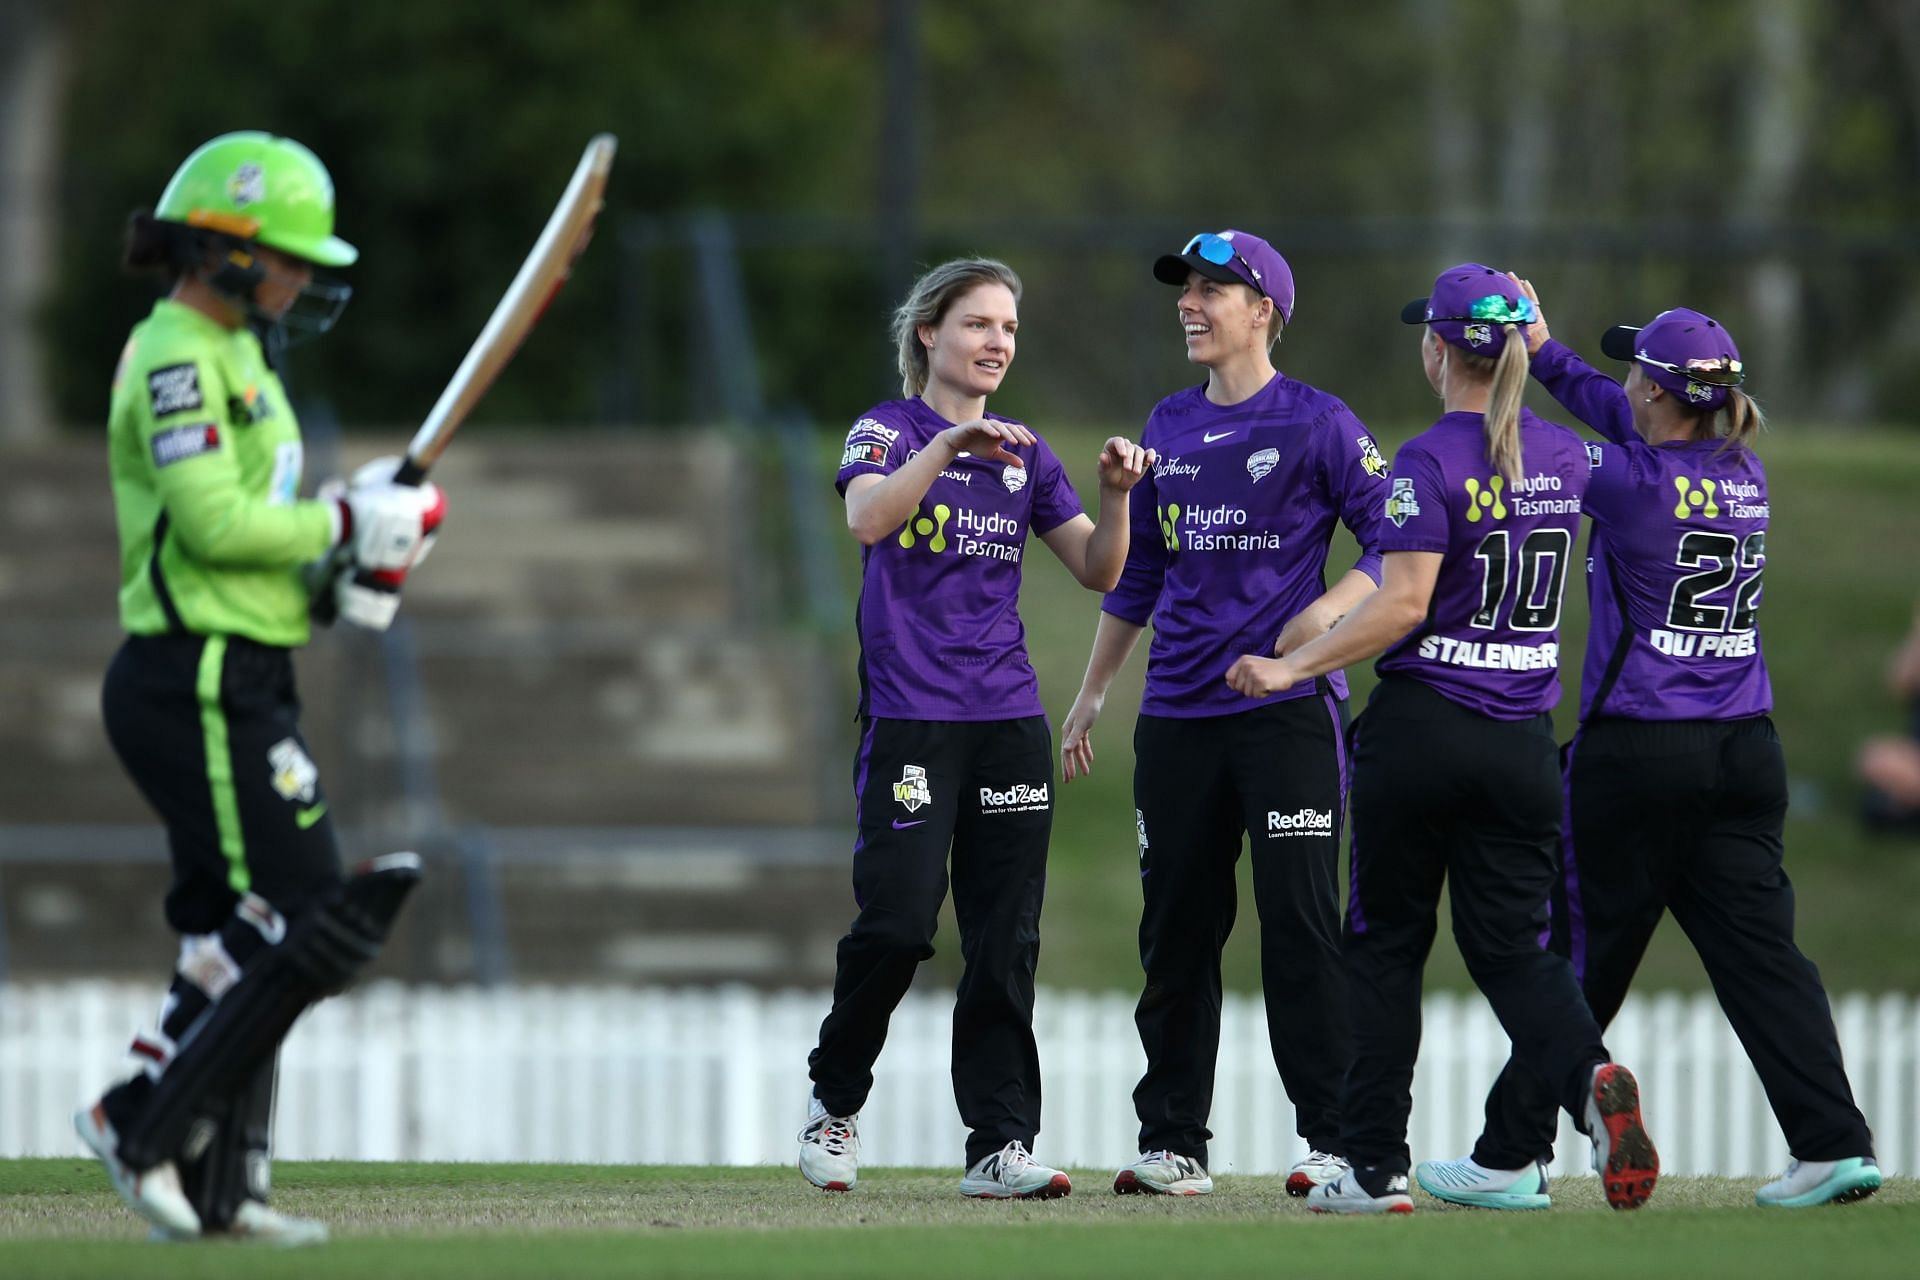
x,y
216,553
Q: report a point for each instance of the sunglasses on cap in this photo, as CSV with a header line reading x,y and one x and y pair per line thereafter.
x,y
1720,371
1219,250
1499,309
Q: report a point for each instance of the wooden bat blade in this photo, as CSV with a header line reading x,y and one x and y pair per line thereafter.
x,y
546,268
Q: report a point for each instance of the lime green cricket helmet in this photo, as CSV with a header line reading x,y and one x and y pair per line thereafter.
x,y
263,188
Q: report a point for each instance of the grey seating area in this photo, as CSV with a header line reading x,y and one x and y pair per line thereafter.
x,y
623,756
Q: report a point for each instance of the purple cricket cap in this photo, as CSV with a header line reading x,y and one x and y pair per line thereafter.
x,y
1688,353
1468,306
1232,257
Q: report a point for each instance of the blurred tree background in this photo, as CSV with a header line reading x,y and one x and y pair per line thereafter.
x,y
1759,159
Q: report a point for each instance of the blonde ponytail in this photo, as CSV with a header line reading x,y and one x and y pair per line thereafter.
x,y
1740,421
1508,374
1503,406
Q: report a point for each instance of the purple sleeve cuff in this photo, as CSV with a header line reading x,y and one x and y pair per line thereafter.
x,y
1369,564
1584,391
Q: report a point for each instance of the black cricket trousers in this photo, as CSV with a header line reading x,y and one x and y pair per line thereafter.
x,y
1439,793
208,727
1686,816
984,792
1277,775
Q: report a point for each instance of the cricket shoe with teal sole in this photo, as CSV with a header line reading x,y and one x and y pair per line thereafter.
x,y
1472,1184
1810,1182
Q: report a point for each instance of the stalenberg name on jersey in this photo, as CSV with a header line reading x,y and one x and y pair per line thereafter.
x,y
1230,529
1491,639
1675,562
939,622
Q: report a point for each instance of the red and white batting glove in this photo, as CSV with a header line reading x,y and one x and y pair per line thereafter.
x,y
386,530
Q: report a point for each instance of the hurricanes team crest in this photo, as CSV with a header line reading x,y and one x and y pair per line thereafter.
x,y
294,774
912,790
1015,478
1260,465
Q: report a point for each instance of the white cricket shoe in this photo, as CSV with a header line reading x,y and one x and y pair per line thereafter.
x,y
1471,1183
1162,1173
155,1194
1810,1182
1011,1173
1345,1195
829,1148
1317,1170
257,1223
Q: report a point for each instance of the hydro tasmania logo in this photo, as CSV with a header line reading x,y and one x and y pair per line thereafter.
x,y
1301,822
993,535
1694,498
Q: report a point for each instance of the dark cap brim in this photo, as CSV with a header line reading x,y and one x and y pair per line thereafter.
x,y
1414,312
1618,342
1172,268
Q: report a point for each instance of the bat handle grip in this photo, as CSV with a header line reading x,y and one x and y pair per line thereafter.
x,y
410,474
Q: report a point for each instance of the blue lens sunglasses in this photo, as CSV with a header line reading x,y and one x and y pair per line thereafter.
x,y
1219,250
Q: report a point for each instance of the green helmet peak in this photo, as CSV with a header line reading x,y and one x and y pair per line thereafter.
x,y
259,187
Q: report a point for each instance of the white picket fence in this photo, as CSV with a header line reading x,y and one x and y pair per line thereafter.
x,y
719,1077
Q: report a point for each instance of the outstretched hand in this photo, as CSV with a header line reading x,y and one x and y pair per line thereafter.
x,y
1076,736
1536,333
1122,463
987,439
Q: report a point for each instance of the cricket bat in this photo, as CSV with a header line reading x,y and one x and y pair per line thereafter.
x,y
546,268
519,309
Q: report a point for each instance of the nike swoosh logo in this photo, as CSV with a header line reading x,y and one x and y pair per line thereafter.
x,y
305,818
1210,437
902,826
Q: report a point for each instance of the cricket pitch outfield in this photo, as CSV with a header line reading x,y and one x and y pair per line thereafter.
x,y
58,1218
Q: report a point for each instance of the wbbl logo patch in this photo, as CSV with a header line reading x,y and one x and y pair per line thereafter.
x,y
1376,466
1402,505
174,389
912,790
177,444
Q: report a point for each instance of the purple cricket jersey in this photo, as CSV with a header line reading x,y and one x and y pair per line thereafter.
x,y
1491,639
1230,529
940,630
1679,544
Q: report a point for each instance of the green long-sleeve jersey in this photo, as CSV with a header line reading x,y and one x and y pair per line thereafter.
x,y
206,458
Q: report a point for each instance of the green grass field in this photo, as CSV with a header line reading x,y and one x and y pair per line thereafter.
x,y
58,1218
1840,588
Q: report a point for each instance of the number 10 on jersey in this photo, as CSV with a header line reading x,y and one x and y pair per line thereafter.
x,y
1538,575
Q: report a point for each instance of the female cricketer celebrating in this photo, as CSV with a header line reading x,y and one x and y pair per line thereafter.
x,y
1455,767
1229,552
954,753
199,701
1676,784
